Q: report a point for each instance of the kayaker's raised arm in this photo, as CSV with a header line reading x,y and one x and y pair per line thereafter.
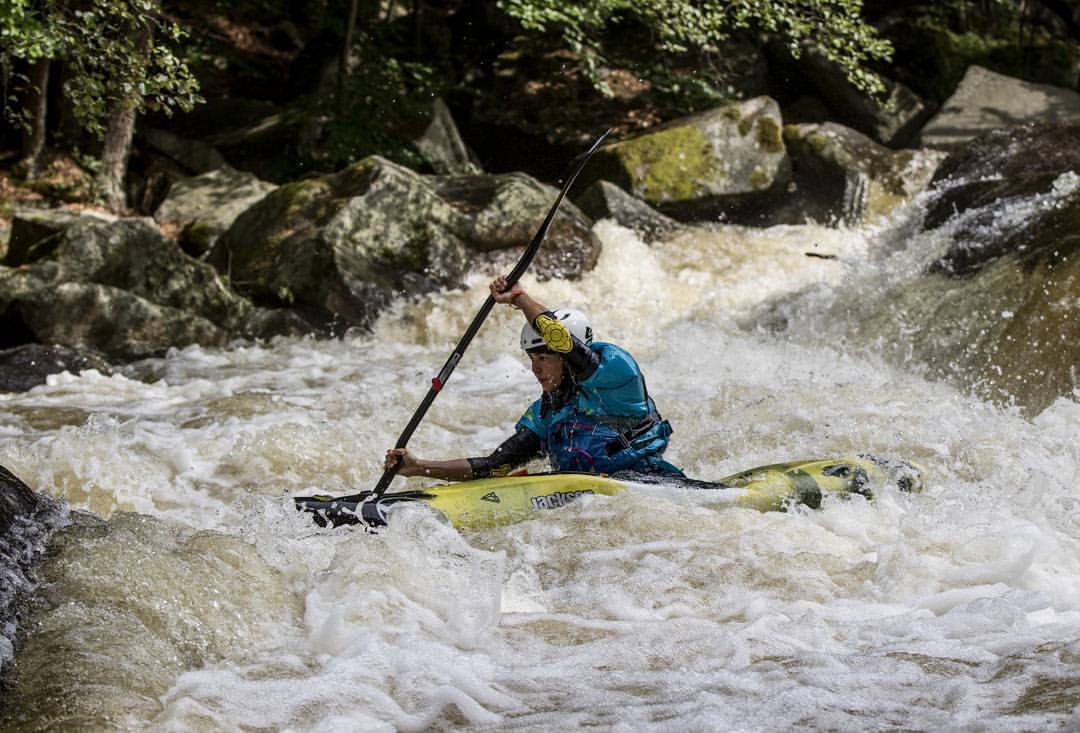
x,y
547,332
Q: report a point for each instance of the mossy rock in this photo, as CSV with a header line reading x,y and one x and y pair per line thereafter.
x,y
340,248
842,175
203,207
730,150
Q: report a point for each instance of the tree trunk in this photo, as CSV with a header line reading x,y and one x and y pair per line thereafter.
x,y
119,132
37,95
346,49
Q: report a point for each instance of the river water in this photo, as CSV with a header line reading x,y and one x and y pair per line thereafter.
x,y
199,599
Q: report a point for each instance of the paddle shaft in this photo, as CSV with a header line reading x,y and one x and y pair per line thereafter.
x,y
523,263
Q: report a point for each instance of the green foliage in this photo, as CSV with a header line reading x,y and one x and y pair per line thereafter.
x,y
121,50
936,43
118,50
382,110
23,30
23,35
703,26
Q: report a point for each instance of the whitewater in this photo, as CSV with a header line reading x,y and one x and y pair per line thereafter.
x,y
188,594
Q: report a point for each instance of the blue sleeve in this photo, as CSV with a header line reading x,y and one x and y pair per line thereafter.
x,y
616,388
616,369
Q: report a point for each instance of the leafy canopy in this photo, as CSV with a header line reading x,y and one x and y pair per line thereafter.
x,y
116,50
835,27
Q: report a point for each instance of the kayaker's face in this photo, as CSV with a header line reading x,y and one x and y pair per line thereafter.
x,y
548,370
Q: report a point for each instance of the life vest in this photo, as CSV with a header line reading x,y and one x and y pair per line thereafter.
x,y
609,423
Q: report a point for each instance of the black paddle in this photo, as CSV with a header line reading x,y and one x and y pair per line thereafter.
x,y
451,363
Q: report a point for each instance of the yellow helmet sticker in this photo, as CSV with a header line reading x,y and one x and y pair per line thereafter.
x,y
555,334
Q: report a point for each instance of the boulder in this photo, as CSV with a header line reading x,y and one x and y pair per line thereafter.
x,y
441,145
16,284
134,293
16,500
31,228
133,255
998,311
25,367
714,163
26,520
195,156
203,207
986,101
340,247
605,200
977,184
892,121
501,214
841,175
115,322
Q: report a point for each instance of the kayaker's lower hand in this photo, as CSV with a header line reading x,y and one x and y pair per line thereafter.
x,y
407,463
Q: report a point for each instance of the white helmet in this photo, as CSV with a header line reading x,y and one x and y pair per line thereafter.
x,y
575,322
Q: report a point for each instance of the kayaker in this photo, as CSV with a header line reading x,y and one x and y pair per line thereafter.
x,y
594,415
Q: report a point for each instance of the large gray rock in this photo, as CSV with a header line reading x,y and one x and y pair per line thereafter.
x,y
441,145
706,165
133,255
501,213
17,283
194,155
127,291
841,175
26,519
978,184
998,311
605,200
16,500
986,101
892,121
200,209
114,321
828,95
340,247
30,228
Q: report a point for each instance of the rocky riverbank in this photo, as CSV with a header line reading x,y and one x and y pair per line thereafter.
x,y
228,256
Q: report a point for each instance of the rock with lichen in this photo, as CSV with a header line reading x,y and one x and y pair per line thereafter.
x,y
717,163
842,176
340,248
200,209
604,200
125,290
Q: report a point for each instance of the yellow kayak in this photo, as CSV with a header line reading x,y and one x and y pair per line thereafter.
x,y
497,501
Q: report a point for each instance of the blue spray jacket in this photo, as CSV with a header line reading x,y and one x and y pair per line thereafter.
x,y
608,423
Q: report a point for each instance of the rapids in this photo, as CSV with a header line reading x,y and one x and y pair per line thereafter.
x,y
194,597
